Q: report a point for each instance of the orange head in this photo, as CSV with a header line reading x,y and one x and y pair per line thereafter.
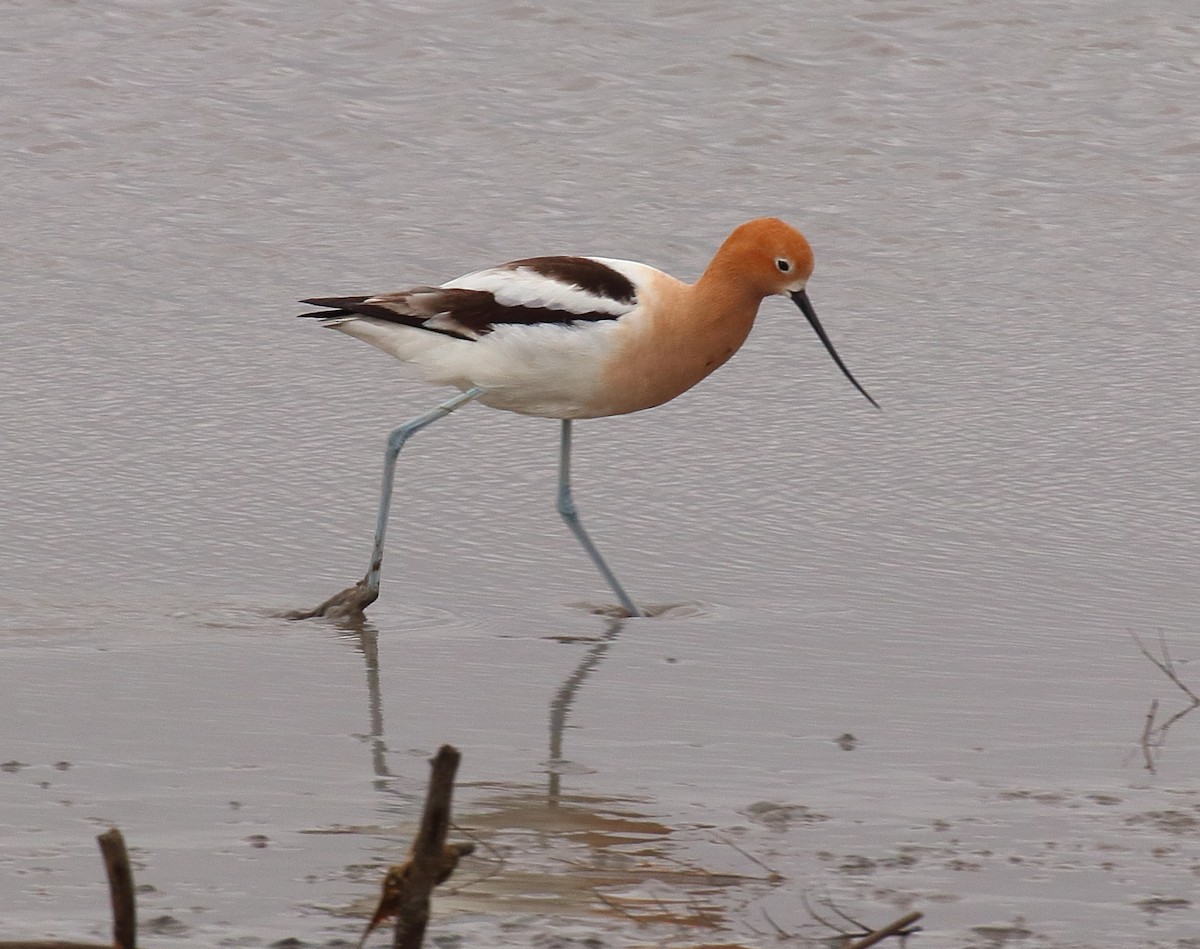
x,y
765,257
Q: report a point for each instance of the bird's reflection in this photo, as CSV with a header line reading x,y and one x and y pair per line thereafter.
x,y
616,849
364,636
564,700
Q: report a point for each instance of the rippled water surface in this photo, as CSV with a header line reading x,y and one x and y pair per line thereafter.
x,y
896,671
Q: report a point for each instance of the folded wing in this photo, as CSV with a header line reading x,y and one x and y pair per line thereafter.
x,y
537,290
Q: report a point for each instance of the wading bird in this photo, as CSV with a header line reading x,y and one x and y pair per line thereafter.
x,y
571,338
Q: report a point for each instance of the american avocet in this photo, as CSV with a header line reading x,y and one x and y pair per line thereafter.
x,y
570,338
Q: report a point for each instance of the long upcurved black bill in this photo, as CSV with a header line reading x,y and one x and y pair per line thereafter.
x,y
801,300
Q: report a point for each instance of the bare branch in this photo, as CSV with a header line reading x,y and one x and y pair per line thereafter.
x,y
120,888
407,887
1165,665
1148,745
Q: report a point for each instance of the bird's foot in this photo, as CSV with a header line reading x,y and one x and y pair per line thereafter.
x,y
346,606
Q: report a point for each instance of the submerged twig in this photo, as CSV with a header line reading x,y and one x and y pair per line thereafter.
x,y
1154,736
780,932
863,928
899,927
773,875
865,936
824,922
1165,665
1147,741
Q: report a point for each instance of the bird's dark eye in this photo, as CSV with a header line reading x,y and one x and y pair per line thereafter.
x,y
783,265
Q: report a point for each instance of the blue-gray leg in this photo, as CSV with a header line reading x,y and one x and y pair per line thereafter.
x,y
350,603
395,442
566,507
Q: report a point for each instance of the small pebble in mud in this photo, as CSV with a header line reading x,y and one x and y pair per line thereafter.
x,y
846,741
165,925
780,816
855,865
1001,934
557,941
1159,904
1174,822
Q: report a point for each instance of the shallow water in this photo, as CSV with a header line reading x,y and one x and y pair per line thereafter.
x,y
1003,208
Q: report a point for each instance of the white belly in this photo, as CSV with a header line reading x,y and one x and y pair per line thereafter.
x,y
546,370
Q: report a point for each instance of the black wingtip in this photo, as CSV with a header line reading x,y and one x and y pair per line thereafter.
x,y
336,303
335,307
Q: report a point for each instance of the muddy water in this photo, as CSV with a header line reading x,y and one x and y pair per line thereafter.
x,y
896,671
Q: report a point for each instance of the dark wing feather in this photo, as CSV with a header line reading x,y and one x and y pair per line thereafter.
x,y
478,312
392,312
334,303
466,312
588,275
